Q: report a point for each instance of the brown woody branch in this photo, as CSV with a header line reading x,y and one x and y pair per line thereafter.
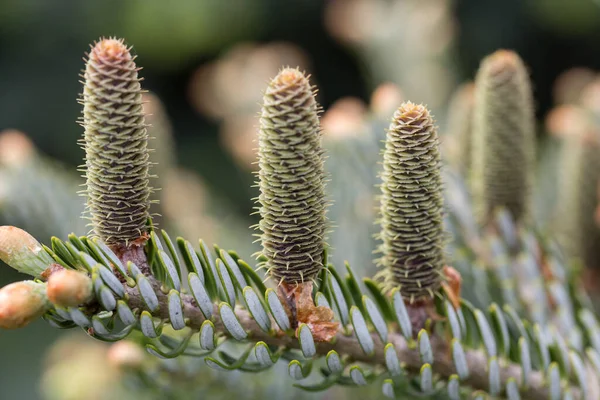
x,y
349,345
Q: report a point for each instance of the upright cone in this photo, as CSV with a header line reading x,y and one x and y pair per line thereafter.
x,y
411,205
503,137
116,142
291,180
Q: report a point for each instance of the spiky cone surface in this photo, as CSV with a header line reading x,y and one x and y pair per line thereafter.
x,y
503,137
291,179
116,145
411,205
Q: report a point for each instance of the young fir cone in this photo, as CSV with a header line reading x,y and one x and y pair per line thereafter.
x,y
115,145
503,137
291,180
411,207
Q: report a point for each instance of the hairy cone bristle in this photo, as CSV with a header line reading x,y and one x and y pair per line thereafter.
x,y
291,179
503,137
412,205
115,144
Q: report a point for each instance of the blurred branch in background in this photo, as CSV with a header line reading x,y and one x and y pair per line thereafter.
x,y
36,192
185,205
126,371
416,53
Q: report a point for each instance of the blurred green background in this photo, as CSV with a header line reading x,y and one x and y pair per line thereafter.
x,y
208,60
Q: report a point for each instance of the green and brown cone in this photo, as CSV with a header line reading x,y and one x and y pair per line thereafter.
x,y
411,207
116,145
291,180
503,137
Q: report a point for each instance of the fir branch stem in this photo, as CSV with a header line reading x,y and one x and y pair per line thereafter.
x,y
349,345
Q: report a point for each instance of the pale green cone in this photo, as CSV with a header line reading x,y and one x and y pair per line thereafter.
x,y
291,179
116,145
411,208
503,150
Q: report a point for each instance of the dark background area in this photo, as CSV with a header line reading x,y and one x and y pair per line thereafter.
x,y
42,44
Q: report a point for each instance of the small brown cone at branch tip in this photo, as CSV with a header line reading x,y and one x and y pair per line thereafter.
x,y
68,288
21,303
301,308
